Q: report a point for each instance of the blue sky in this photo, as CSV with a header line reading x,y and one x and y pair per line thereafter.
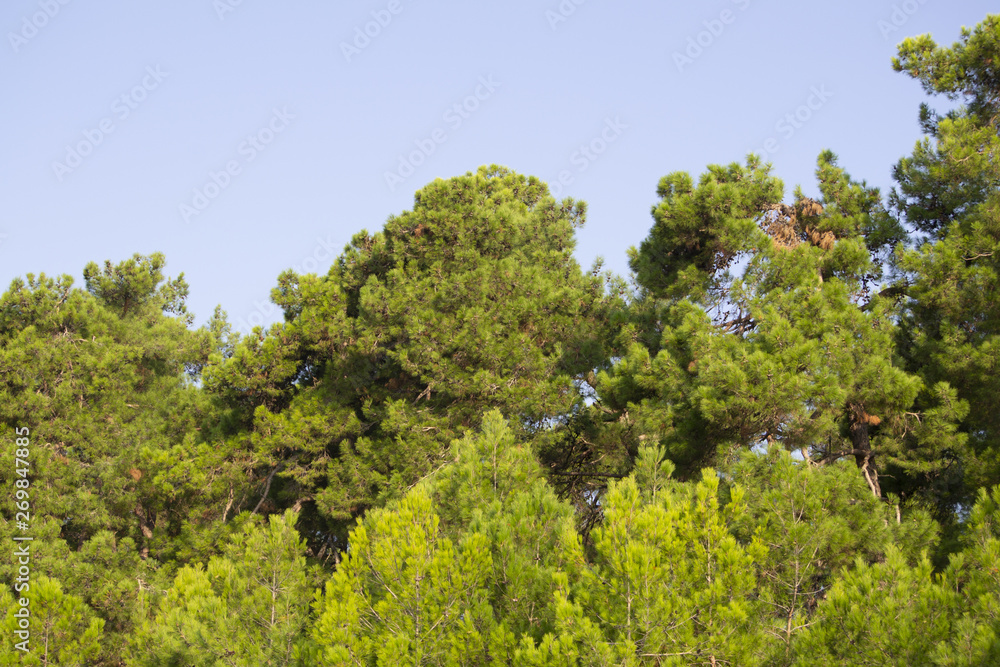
x,y
245,137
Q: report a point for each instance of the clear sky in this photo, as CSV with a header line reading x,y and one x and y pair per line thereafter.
x,y
244,137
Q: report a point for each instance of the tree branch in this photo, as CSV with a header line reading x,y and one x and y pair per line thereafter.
x,y
267,489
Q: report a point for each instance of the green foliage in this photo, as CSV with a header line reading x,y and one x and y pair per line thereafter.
x,y
975,573
700,231
782,449
887,613
794,351
246,608
470,301
406,594
950,190
118,466
63,630
897,614
670,582
496,488
952,173
131,285
461,570
815,521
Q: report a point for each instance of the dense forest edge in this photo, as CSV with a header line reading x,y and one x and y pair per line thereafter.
x,y
776,443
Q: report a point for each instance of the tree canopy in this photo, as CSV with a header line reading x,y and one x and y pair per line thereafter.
x,y
779,445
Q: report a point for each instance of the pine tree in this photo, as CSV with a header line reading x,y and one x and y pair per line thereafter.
x,y
63,630
471,301
815,521
462,570
118,466
406,594
949,189
762,327
894,613
248,607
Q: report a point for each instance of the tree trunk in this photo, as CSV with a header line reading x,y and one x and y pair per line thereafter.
x,y
146,528
861,440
